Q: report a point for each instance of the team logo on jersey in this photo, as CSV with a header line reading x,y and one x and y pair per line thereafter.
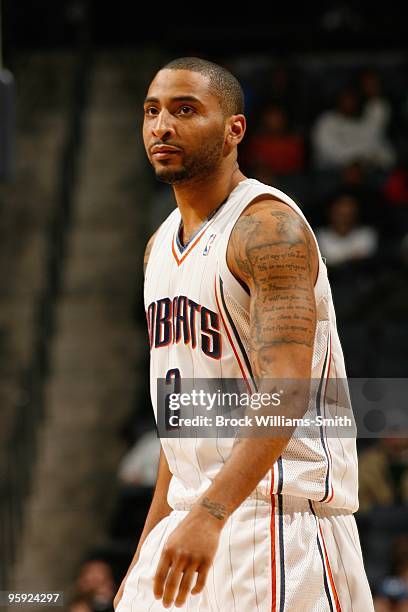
x,y
181,319
209,244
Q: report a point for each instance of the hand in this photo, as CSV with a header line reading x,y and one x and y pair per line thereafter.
x,y
190,548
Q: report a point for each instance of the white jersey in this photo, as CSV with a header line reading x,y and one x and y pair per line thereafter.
x,y
198,322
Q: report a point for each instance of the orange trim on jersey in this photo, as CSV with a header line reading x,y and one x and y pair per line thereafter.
x,y
334,592
331,494
273,544
190,247
230,339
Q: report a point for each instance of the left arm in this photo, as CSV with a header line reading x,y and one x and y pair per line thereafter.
x,y
272,252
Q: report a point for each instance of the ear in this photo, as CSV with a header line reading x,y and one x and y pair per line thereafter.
x,y
235,129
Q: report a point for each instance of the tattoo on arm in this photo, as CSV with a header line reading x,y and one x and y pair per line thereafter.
x,y
272,249
217,510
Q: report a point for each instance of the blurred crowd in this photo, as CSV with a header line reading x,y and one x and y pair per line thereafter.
x,y
94,587
337,143
335,140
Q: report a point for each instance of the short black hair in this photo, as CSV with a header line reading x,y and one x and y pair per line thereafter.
x,y
223,84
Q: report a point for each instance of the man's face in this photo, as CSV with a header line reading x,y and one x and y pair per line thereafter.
x,y
183,127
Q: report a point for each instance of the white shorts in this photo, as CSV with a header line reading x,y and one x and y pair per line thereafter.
x,y
288,555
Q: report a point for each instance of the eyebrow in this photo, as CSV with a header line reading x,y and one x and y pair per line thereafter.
x,y
175,99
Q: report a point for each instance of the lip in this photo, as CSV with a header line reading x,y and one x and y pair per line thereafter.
x,y
160,151
163,154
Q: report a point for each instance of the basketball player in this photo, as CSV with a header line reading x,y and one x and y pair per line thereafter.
x,y
235,287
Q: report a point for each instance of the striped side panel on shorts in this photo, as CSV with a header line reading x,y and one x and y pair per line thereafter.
x,y
277,552
329,586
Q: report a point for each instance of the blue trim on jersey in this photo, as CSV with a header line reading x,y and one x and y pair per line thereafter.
x,y
183,247
236,334
318,411
281,555
280,475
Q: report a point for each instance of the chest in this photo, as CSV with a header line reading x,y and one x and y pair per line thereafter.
x,y
174,271
180,299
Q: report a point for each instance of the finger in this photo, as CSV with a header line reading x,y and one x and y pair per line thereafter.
x,y
172,583
185,586
202,577
161,574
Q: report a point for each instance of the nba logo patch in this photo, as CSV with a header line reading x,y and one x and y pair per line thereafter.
x,y
209,243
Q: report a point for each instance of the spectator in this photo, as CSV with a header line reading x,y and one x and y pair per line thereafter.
x,y
344,240
95,581
355,181
345,134
79,603
276,148
277,89
376,108
396,185
395,192
383,474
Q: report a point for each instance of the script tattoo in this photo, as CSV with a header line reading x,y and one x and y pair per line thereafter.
x,y
272,251
215,509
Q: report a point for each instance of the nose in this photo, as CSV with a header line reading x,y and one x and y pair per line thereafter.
x,y
162,127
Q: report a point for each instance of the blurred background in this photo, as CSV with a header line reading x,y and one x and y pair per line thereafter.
x,y
326,90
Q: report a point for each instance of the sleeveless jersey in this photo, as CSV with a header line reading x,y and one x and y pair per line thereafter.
x,y
198,323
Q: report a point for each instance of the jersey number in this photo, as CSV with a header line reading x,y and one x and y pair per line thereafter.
x,y
173,381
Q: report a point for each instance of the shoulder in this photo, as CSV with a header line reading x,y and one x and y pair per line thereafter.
x,y
148,249
326,119
267,217
269,228
173,216
270,210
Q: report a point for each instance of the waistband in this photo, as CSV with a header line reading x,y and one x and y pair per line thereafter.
x,y
287,504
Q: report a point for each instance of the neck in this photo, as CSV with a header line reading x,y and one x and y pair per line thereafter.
x,y
198,198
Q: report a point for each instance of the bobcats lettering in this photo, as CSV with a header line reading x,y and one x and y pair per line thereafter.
x,y
181,319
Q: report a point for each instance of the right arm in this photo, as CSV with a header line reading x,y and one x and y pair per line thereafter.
x,y
148,250
159,509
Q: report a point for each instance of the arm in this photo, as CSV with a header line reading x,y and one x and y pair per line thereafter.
x,y
159,509
272,252
148,249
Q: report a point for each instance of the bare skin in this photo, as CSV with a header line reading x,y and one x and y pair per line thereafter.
x,y
272,252
159,509
273,255
187,127
148,249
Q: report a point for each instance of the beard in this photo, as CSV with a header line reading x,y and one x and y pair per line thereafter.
x,y
205,161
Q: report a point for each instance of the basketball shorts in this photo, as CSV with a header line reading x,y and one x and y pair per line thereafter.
x,y
283,555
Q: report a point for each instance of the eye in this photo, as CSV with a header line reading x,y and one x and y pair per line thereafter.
x,y
185,110
151,111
